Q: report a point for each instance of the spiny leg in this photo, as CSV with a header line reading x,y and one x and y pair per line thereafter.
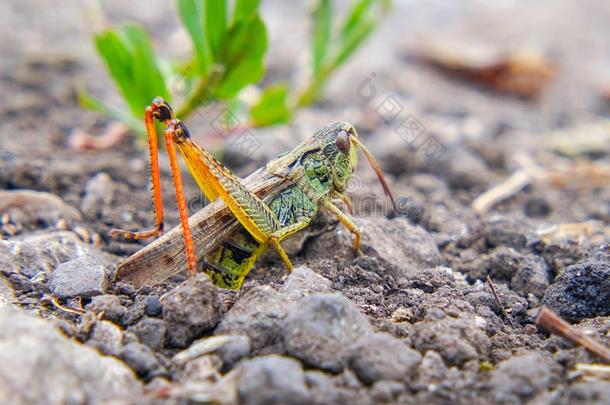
x,y
347,222
160,110
170,136
284,233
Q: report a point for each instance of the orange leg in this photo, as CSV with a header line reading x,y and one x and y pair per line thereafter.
x,y
184,215
156,184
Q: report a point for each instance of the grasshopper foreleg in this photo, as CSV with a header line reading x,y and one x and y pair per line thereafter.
x,y
347,222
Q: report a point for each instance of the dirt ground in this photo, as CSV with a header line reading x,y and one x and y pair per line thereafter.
x,y
412,320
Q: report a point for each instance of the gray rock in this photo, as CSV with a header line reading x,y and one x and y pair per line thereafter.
x,y
258,315
504,231
381,356
520,378
465,171
458,340
320,329
588,393
38,364
190,310
151,332
582,290
7,295
237,348
532,277
109,305
432,369
99,193
32,207
43,253
107,338
303,281
153,306
81,277
141,358
403,247
272,379
386,391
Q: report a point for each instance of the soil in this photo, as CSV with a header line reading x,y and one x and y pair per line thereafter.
x,y
412,320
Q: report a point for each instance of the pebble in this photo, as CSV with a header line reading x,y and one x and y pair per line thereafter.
x,y
99,193
381,356
81,277
72,373
153,306
582,290
405,249
258,315
107,338
520,378
151,332
110,305
321,328
272,379
190,310
458,340
142,359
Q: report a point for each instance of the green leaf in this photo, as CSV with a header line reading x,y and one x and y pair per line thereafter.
x,y
321,34
272,108
243,57
216,24
119,60
245,10
355,15
352,42
147,77
93,104
191,13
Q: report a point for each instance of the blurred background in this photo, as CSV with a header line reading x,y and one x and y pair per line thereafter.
x,y
470,92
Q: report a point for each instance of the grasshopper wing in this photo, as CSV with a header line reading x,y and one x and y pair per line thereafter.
x,y
165,256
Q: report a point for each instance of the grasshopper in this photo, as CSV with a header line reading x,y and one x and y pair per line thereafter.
x,y
245,216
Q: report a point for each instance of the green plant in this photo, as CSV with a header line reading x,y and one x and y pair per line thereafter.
x,y
229,47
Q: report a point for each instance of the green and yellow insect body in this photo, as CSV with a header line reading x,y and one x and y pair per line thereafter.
x,y
320,166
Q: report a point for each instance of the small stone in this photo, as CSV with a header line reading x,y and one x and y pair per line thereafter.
x,y
258,315
272,379
432,369
320,330
107,338
151,332
72,373
81,277
588,393
153,306
402,247
303,281
110,305
7,295
43,253
537,207
237,348
458,340
387,391
381,356
501,231
520,378
582,290
99,193
140,358
190,310
30,207
532,277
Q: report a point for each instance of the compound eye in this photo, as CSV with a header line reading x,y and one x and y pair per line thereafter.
x,y
343,142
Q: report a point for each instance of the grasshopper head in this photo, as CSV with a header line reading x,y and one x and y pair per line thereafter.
x,y
340,150
341,146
